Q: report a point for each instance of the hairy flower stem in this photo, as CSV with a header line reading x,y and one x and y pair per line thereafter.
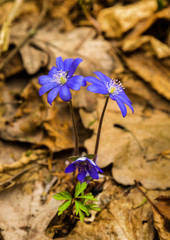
x,y
99,128
76,150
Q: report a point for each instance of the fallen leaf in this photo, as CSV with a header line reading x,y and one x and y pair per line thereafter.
x,y
80,42
28,218
38,123
143,93
145,24
154,72
5,9
33,58
162,222
84,99
160,49
119,19
132,144
26,158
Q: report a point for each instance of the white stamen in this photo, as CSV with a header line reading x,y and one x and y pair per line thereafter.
x,y
114,86
60,77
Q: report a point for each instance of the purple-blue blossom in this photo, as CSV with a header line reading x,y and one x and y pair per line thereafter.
x,y
106,85
85,167
60,80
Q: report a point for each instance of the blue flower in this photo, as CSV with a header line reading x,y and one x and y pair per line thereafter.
x,y
60,80
106,85
85,166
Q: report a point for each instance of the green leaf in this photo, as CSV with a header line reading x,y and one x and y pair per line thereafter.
x,y
76,207
80,188
63,207
62,196
81,214
90,156
79,205
93,207
88,196
66,194
91,123
78,211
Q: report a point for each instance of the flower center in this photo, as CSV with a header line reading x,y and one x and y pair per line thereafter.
x,y
61,77
83,166
114,86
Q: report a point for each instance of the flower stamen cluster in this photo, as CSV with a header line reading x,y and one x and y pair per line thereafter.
x,y
61,77
114,86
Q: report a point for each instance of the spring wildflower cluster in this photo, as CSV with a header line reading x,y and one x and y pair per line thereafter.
x,y
59,81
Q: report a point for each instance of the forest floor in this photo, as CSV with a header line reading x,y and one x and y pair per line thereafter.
x,y
128,40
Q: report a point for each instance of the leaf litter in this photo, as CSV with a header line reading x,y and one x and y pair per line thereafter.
x,y
37,139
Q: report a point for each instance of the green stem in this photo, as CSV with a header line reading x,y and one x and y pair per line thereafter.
x,y
76,150
99,128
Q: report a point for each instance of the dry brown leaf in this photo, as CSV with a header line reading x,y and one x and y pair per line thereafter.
x,y
5,9
84,99
11,152
62,10
23,125
151,70
142,26
162,222
80,42
6,108
160,49
56,133
58,124
26,158
119,19
143,93
33,59
132,144
28,218
12,68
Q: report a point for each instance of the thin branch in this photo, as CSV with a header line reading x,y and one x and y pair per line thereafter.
x,y
148,198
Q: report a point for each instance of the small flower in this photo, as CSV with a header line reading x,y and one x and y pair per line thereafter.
x,y
106,85
60,80
85,166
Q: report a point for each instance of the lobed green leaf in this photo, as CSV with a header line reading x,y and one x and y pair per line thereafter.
x,y
62,196
93,207
81,214
80,187
79,205
88,196
63,207
90,156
